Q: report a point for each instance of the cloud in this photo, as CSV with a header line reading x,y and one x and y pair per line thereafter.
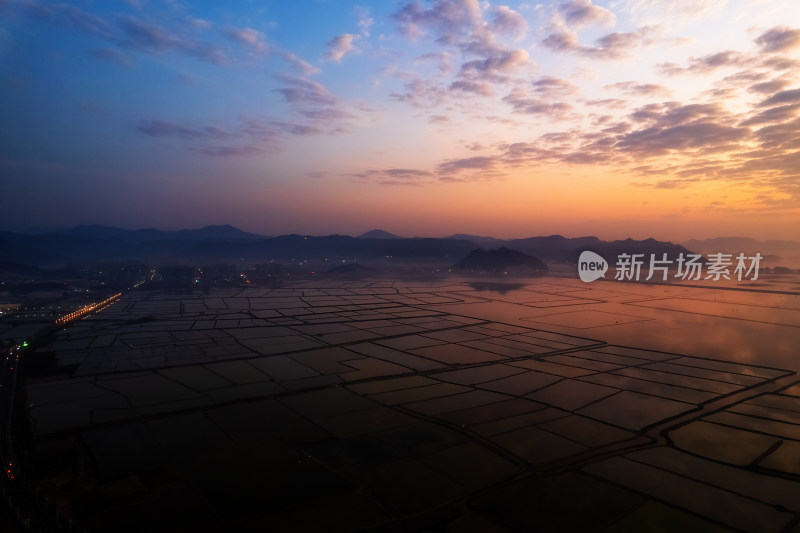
x,y
248,37
507,21
325,114
660,141
504,61
616,45
562,40
537,99
678,12
298,63
655,130
147,37
186,79
340,46
442,59
70,17
365,21
422,93
151,38
582,13
394,176
674,114
248,136
620,45
775,114
312,101
551,87
449,19
227,151
783,97
162,128
473,30
293,128
127,31
304,91
768,87
639,89
619,127
483,89
469,163
556,110
111,55
197,23
779,39
407,173
779,63
209,53
702,65
611,103
782,136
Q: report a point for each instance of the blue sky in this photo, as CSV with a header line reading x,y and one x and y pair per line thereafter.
x,y
426,117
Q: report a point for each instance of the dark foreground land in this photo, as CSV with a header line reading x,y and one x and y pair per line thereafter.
x,y
545,405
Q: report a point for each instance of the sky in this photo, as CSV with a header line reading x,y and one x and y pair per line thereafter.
x,y
623,118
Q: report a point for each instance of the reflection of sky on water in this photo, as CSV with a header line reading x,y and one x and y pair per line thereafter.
x,y
759,328
502,288
389,392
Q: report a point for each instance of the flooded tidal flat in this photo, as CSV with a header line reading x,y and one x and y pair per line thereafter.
x,y
549,405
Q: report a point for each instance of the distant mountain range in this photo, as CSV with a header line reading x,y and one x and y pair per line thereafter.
x,y
227,244
226,232
735,245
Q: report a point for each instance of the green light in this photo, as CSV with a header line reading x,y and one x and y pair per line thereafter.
x,y
24,344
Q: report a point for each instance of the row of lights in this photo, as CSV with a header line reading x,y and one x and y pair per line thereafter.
x,y
87,309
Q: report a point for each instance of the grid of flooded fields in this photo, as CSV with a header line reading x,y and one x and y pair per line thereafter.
x,y
548,405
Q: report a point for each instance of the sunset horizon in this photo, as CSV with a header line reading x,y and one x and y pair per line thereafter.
x,y
400,265
615,119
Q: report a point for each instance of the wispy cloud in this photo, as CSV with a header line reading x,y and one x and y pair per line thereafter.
x,y
505,20
340,46
783,97
480,88
617,45
69,17
583,12
247,136
522,102
773,115
779,39
704,64
470,30
769,87
632,88
365,21
163,128
304,91
112,55
252,39
393,176
227,151
477,168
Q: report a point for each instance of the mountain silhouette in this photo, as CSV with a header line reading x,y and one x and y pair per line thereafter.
x,y
378,234
227,244
500,261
